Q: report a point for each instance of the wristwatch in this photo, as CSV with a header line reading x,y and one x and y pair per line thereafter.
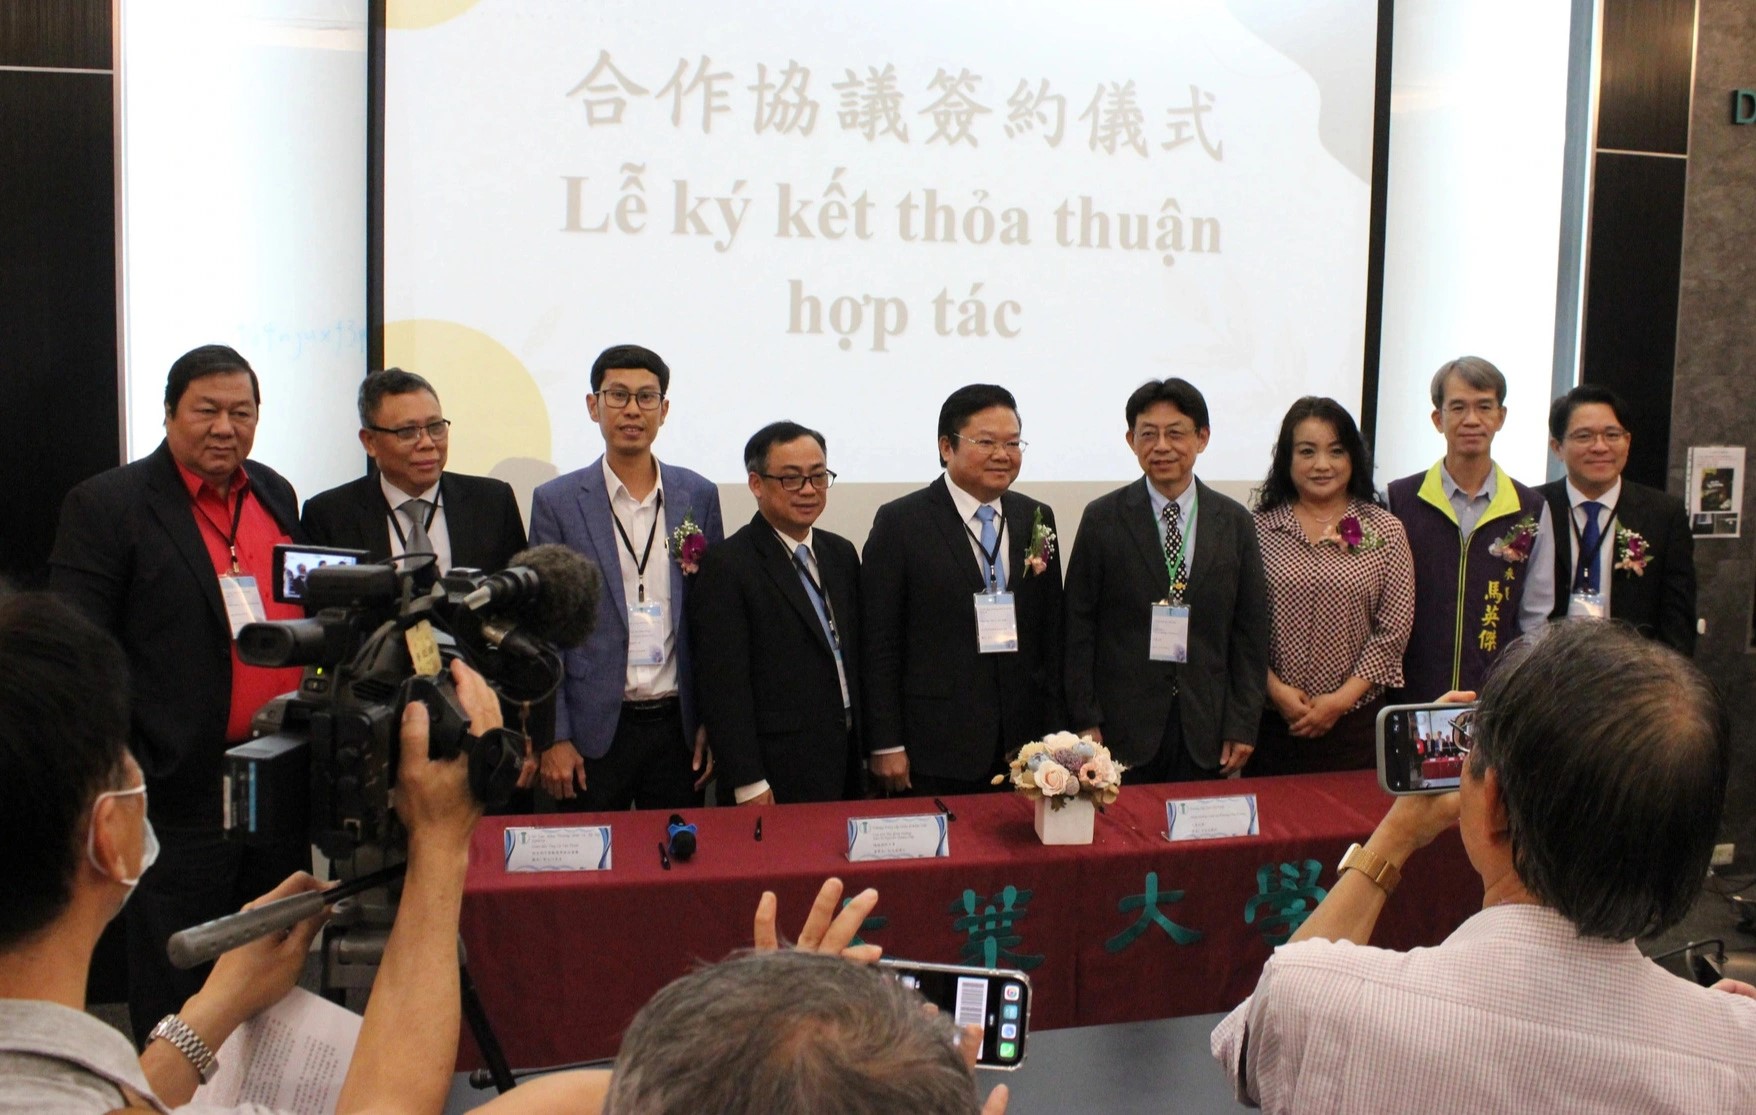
x,y
1373,866
189,1043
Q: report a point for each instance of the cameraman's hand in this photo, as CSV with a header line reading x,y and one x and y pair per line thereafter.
x,y
433,797
826,930
563,769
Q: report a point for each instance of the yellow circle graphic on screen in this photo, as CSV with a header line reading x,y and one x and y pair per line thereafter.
x,y
496,410
412,15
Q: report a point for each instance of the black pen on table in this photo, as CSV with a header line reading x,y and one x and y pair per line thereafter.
x,y
945,809
759,829
664,856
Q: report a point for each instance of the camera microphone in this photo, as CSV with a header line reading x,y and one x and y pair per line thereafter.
x,y
549,592
680,837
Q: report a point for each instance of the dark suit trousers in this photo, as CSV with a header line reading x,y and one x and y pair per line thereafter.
x,y
199,876
647,766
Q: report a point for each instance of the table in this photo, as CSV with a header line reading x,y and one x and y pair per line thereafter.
x,y
1128,928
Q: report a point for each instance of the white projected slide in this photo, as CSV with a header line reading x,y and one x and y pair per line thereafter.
x,y
838,213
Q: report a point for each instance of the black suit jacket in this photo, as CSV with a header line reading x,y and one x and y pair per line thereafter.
x,y
129,554
1116,574
765,677
481,518
925,686
1660,603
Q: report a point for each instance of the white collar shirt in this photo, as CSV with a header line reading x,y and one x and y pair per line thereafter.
x,y
639,517
401,522
967,506
1606,550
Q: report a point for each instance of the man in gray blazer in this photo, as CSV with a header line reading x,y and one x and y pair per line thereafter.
x,y
1167,609
626,726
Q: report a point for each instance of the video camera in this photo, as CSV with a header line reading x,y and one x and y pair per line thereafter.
x,y
382,636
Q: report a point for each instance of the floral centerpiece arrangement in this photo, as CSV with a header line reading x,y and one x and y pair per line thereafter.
x,y
1069,778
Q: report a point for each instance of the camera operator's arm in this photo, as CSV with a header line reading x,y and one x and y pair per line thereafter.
x,y
244,982
408,1042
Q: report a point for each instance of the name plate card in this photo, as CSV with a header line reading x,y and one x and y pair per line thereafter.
x,y
1211,818
917,836
582,848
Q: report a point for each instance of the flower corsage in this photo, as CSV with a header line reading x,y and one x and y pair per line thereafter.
x,y
1516,544
1631,551
1041,548
688,544
1352,535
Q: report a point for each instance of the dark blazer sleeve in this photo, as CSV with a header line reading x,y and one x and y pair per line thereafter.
x,y
1676,606
1247,672
89,565
719,630
330,520
1051,630
883,612
1085,572
512,533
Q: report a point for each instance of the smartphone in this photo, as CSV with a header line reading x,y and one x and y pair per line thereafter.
x,y
293,563
1422,748
996,999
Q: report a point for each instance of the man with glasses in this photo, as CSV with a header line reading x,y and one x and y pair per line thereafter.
x,y
774,616
414,505
1167,606
626,725
961,598
1627,551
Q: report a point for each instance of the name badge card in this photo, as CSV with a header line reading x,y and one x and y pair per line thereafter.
x,y
917,836
1587,604
581,848
996,623
1170,633
1211,818
646,634
243,602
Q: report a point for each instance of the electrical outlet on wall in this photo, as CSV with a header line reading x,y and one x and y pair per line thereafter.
x,y
1722,855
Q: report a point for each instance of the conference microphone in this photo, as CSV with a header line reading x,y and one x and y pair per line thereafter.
x,y
549,593
680,837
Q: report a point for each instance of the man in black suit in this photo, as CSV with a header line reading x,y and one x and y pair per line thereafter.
x,y
1167,607
774,615
1647,577
961,599
171,554
413,504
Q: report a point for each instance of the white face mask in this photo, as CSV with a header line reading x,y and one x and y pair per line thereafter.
x,y
149,840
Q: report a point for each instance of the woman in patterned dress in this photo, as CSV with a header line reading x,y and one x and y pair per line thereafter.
x,y
1340,596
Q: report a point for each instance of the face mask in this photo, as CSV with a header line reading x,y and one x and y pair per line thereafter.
x,y
149,840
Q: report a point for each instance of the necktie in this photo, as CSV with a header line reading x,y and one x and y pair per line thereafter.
x,y
416,511
802,558
1173,520
1587,578
990,539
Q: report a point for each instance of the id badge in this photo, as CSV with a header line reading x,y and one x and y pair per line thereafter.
x,y
996,623
1170,633
1587,604
243,601
646,634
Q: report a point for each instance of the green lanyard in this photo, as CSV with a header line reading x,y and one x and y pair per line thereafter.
x,y
1175,573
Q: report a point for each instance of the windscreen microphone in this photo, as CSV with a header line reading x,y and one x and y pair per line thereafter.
x,y
549,593
680,838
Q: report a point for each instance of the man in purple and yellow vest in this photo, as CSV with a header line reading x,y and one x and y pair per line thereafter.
x,y
1483,543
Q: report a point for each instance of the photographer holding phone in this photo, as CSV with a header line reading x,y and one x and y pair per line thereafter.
x,y
1590,801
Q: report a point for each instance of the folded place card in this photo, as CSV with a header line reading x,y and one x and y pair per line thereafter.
x,y
581,848
917,836
1210,818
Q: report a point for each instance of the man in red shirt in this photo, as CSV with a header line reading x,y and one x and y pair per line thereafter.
x,y
171,554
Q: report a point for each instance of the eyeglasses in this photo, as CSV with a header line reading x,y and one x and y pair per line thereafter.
x,y
617,398
818,480
988,444
408,435
1462,735
1612,435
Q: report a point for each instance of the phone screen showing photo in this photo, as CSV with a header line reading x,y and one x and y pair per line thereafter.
x,y
997,1002
1422,749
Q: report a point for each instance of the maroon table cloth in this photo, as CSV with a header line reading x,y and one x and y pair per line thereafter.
x,y
1127,928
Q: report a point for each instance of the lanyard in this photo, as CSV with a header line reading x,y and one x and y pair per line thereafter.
x,y
993,556
231,540
645,555
828,608
1174,575
1580,561
396,523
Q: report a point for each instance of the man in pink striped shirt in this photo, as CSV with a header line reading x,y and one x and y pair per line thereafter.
x,y
1590,804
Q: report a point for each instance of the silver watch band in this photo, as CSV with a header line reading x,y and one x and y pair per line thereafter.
x,y
189,1043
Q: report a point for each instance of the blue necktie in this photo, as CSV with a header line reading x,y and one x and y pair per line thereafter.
x,y
1587,578
989,540
802,558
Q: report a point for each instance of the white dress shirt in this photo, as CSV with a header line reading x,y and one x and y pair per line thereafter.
x,y
645,683
1606,550
1515,1012
966,510
437,532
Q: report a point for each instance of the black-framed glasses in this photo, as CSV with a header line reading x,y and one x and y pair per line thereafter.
x,y
1612,435
818,480
988,444
408,435
617,398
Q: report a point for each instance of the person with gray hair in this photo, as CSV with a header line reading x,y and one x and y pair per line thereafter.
x,y
784,1032
1589,806
1483,543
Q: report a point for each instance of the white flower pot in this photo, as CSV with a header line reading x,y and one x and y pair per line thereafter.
x,y
1070,824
